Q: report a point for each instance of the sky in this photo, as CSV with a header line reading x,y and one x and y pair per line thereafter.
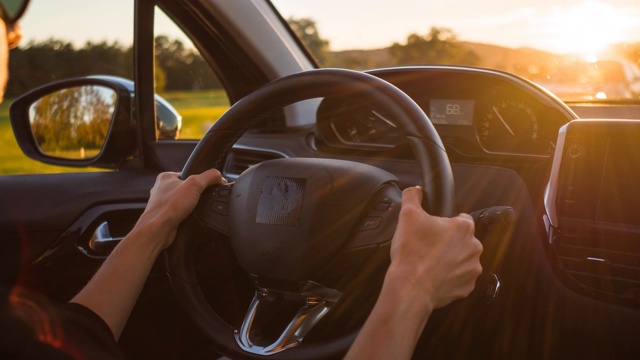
x,y
553,25
110,20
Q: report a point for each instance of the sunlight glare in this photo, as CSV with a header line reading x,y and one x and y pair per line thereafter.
x,y
591,58
586,28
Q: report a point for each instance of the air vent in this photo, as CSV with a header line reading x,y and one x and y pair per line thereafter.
x,y
240,160
609,264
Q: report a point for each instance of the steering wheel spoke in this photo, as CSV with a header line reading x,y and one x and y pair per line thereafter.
x,y
313,302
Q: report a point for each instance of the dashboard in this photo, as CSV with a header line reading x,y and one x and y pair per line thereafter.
x,y
487,116
477,112
501,134
592,202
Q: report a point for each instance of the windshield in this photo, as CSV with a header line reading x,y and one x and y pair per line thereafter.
x,y
580,50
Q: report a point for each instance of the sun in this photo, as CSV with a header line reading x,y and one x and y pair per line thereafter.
x,y
586,28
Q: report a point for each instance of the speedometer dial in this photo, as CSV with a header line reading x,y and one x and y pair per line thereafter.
x,y
366,127
511,126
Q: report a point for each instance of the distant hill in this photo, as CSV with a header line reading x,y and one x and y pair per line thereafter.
x,y
527,62
522,61
359,59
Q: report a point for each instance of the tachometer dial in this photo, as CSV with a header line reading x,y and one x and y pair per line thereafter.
x,y
511,126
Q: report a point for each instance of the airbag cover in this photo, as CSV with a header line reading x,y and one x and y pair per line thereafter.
x,y
289,217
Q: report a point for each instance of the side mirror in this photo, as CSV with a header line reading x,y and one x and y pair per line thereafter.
x,y
168,120
77,122
72,123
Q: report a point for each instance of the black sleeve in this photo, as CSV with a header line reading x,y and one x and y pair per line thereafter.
x,y
18,342
87,334
75,333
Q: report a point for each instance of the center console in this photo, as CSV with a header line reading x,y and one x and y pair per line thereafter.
x,y
593,207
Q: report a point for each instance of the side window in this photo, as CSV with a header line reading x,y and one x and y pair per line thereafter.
x,y
64,39
186,83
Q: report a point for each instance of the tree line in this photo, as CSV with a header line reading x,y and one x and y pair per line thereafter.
x,y
441,45
438,46
177,66
73,119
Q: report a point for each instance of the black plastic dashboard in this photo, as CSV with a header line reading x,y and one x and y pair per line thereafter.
x,y
478,113
500,132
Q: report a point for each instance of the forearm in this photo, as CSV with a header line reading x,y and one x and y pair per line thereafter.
x,y
114,289
395,323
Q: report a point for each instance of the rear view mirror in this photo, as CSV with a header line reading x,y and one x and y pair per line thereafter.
x,y
73,123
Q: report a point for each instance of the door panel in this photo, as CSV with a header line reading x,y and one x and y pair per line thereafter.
x,y
46,217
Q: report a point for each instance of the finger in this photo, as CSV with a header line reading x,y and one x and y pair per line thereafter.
x,y
412,196
166,178
213,177
208,178
14,35
466,216
168,175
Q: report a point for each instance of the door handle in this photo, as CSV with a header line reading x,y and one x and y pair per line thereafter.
x,y
101,241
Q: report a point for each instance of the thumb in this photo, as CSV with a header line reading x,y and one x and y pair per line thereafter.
x,y
412,196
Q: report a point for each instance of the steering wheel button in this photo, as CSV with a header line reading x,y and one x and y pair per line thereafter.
x,y
370,223
382,206
224,192
220,208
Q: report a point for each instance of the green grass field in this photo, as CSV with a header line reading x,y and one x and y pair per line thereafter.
x,y
199,110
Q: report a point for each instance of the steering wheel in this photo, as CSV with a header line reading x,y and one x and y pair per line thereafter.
x,y
295,225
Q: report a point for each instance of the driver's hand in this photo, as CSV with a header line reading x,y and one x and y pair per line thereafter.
x,y
439,257
172,200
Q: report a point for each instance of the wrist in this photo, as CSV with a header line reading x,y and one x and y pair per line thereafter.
x,y
395,324
152,233
410,299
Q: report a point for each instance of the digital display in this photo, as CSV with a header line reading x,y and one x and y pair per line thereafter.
x,y
451,112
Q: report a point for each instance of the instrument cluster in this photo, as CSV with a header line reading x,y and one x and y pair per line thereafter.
x,y
476,112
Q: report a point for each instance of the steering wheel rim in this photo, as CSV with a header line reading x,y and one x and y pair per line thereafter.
x,y
213,148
